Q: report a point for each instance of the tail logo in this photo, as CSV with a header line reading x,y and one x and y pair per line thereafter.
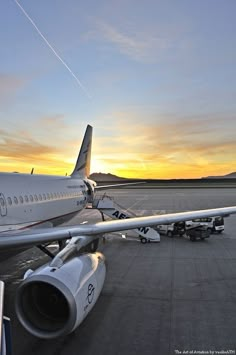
x,y
85,152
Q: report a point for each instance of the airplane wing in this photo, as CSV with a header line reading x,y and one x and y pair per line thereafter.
x,y
40,236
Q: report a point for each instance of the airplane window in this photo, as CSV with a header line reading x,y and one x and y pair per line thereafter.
x,y
36,197
40,197
44,196
21,199
26,198
15,200
31,198
9,201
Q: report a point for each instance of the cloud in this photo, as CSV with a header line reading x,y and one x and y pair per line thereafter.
x,y
46,144
20,146
19,151
9,85
53,121
170,147
139,46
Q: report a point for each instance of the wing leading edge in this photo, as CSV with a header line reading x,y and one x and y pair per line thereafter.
x,y
45,235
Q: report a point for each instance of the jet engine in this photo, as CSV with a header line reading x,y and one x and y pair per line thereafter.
x,y
53,301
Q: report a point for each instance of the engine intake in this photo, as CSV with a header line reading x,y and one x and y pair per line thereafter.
x,y
52,302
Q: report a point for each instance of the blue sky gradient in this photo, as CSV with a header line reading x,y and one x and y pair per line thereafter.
x,y
160,77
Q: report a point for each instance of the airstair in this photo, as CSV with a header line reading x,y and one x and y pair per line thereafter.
x,y
108,206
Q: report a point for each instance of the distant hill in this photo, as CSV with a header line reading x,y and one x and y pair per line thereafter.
x,y
102,177
228,176
105,177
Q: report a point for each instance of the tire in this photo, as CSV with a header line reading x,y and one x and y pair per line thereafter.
x,y
192,239
143,240
169,234
219,232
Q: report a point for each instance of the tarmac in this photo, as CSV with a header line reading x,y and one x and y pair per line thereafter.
x,y
172,297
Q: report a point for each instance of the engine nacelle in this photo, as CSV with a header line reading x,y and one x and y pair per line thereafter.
x,y
52,301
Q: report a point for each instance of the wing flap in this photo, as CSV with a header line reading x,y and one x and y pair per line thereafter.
x,y
44,235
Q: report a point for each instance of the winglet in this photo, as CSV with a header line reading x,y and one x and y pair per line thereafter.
x,y
82,167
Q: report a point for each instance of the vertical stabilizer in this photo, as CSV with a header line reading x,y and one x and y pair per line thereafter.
x,y
82,167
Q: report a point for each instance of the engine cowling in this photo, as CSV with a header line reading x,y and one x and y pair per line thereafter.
x,y
52,302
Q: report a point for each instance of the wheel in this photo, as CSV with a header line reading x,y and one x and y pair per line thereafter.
x,y
169,234
202,238
220,232
192,239
143,240
210,230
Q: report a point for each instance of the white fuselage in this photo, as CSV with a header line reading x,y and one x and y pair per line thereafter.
x,y
39,200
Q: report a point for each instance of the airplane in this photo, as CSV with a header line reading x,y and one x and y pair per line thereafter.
x,y
53,300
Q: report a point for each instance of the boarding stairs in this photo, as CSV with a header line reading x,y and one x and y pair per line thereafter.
x,y
108,206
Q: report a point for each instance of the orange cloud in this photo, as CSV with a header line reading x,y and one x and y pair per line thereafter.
x,y
170,148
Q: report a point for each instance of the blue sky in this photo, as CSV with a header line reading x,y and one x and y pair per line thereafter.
x,y
159,86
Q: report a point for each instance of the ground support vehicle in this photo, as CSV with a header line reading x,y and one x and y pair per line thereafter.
x,y
172,230
214,224
108,206
200,232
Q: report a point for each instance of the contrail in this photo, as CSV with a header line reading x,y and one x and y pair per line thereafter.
x,y
52,49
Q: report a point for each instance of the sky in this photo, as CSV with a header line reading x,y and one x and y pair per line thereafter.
x,y
155,78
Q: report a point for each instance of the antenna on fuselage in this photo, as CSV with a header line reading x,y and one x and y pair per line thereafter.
x,y
32,171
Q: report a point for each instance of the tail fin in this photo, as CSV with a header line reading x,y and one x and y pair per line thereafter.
x,y
82,167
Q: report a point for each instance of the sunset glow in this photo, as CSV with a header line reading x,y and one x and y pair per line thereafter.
x,y
157,84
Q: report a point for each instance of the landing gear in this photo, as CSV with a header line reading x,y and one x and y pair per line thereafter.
x,y
92,247
45,250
